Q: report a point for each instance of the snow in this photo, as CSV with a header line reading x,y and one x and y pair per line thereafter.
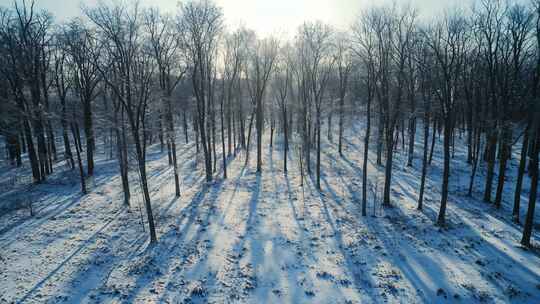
x,y
261,238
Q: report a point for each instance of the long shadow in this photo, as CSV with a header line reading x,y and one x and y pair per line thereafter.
x,y
412,270
102,264
339,238
63,263
402,253
166,251
406,268
303,246
238,248
104,175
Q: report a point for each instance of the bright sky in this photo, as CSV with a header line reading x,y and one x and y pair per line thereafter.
x,y
267,16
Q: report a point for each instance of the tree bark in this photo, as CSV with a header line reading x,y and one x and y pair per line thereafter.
x,y
79,160
521,171
89,132
446,171
424,161
527,229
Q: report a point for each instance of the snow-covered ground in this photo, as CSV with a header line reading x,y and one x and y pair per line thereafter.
x,y
261,238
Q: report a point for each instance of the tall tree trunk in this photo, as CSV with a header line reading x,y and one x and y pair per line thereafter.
x,y
259,122
272,127
446,170
329,130
521,171
171,138
184,118
234,133
340,140
527,229
249,138
197,134
122,162
160,135
470,133
475,159
366,150
224,156
27,137
491,152
318,147
74,128
242,126
380,137
42,147
388,167
286,139
412,133
505,147
67,147
229,125
424,161
213,125
433,140
89,131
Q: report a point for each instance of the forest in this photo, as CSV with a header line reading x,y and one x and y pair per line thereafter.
x,y
152,156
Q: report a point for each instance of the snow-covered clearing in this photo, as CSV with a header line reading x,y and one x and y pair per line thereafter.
x,y
261,238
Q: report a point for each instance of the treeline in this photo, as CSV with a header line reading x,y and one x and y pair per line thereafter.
x,y
132,76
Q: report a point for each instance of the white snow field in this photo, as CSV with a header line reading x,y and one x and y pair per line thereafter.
x,y
261,238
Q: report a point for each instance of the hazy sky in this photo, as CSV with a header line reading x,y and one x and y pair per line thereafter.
x,y
267,16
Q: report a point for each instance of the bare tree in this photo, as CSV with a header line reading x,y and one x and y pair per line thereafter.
x,y
317,63
167,54
282,87
63,83
120,29
201,24
448,41
344,64
84,51
365,39
489,19
260,63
